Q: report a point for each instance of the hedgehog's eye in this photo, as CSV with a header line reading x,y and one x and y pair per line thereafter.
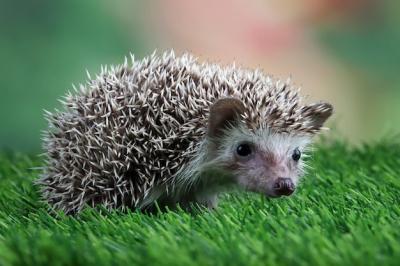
x,y
296,154
243,150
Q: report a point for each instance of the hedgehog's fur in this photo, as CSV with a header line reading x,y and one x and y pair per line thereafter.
x,y
136,127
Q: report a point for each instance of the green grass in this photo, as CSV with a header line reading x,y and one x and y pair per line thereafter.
x,y
346,212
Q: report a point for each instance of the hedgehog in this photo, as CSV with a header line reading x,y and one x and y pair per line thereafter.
x,y
169,130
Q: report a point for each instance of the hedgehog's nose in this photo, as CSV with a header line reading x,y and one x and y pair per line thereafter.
x,y
283,186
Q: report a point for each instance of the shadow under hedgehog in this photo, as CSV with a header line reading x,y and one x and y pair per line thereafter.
x,y
171,130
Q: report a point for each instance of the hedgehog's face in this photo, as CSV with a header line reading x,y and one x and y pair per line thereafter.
x,y
259,160
264,161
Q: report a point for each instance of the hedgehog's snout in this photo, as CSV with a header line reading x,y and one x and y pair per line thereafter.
x,y
283,186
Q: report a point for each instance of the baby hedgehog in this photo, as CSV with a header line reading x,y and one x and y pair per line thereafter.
x,y
171,130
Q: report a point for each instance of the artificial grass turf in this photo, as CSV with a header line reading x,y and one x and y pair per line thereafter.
x,y
346,212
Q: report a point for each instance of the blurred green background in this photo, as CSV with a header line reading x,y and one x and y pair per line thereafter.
x,y
343,51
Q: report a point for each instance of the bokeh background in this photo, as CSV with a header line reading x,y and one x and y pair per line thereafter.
x,y
346,52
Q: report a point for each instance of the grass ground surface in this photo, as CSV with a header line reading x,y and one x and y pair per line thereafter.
x,y
346,212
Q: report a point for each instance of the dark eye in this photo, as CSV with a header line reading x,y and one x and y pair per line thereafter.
x,y
296,154
243,150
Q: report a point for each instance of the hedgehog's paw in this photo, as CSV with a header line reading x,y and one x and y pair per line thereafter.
x,y
210,201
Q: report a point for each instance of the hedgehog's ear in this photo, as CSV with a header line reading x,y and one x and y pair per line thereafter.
x,y
223,113
317,113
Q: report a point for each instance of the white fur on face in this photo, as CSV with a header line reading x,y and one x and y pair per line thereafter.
x,y
271,157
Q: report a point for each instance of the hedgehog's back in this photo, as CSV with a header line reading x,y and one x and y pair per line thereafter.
x,y
127,131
